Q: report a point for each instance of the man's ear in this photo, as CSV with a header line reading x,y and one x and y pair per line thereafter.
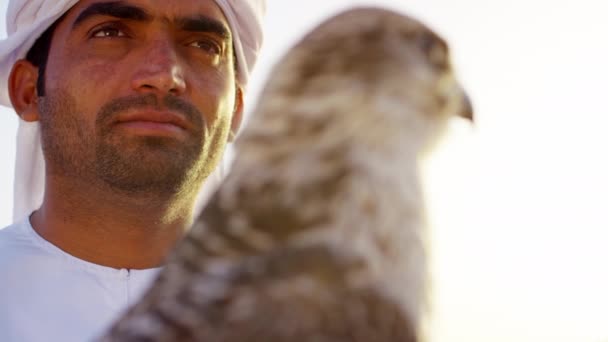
x,y
22,90
237,115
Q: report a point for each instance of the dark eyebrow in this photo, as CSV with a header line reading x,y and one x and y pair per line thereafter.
x,y
202,23
116,9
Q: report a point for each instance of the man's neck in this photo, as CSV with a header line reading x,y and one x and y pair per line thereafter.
x,y
111,229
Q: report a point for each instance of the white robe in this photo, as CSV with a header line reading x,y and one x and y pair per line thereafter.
x,y
49,295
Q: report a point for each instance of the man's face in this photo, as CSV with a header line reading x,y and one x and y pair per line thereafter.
x,y
140,94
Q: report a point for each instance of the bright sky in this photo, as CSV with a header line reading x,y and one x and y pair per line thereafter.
x,y
518,225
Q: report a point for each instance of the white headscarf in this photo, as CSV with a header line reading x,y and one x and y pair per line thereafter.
x,y
28,19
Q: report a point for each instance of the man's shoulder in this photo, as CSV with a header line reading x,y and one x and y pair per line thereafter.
x,y
19,251
39,285
15,238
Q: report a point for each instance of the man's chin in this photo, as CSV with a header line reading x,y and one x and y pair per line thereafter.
x,y
155,166
131,178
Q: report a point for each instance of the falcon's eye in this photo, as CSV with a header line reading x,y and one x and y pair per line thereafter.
x,y
434,48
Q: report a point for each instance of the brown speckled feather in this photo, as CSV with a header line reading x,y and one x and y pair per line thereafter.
x,y
318,232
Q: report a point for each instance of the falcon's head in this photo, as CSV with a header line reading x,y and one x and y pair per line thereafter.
x,y
370,56
366,67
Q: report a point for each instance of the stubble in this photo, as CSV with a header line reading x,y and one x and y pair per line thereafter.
x,y
95,152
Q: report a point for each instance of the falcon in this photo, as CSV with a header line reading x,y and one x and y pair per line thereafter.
x,y
318,232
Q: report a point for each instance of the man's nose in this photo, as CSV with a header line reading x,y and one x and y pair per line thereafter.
x,y
160,70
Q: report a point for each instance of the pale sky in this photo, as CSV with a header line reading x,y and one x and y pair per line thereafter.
x,y
517,222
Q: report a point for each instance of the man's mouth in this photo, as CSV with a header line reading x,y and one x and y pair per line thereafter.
x,y
153,122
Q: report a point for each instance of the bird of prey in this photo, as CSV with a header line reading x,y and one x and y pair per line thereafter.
x,y
318,233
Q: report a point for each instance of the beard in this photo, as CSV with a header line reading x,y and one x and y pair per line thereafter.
x,y
94,152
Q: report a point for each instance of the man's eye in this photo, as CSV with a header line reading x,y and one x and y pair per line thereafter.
x,y
108,32
207,46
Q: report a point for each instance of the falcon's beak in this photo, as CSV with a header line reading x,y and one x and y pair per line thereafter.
x,y
466,108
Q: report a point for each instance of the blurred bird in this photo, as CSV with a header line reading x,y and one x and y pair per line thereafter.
x,y
318,232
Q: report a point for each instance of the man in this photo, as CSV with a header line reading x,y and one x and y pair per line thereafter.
x,y
133,102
